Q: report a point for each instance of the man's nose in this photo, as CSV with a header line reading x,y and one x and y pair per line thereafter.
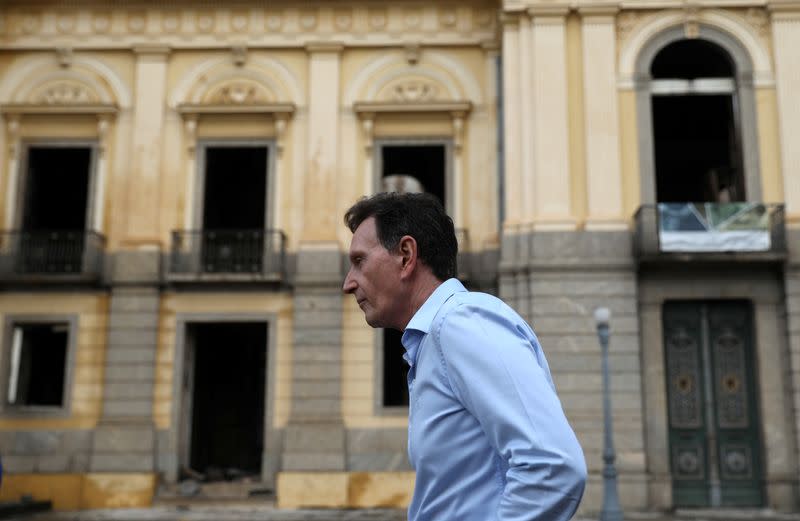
x,y
349,284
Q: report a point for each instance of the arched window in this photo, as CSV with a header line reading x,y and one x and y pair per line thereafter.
x,y
696,124
698,136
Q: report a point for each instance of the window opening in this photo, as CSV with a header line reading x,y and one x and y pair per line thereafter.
x,y
227,399
234,208
54,209
395,370
407,168
696,125
424,163
38,365
57,187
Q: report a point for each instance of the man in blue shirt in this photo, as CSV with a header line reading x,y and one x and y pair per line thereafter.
x,y
487,435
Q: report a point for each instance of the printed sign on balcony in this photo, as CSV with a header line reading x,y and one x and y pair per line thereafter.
x,y
713,227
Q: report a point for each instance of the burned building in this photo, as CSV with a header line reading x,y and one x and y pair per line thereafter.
x,y
173,180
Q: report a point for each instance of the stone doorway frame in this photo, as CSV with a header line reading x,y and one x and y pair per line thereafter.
x,y
764,288
270,458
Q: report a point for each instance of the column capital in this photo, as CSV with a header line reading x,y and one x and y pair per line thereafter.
x,y
784,9
325,47
151,50
602,11
549,13
511,18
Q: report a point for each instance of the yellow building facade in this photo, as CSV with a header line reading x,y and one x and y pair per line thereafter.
x,y
173,180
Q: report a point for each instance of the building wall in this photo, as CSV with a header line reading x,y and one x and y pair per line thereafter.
x,y
547,194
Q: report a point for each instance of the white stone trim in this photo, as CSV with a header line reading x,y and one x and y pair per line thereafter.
x,y
29,73
287,88
763,74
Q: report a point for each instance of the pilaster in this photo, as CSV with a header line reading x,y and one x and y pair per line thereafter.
x,y
786,38
315,436
143,197
320,219
603,166
512,128
551,172
124,440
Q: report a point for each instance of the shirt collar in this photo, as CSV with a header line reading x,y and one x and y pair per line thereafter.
x,y
420,323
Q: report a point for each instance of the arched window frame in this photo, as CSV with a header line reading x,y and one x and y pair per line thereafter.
x,y
744,96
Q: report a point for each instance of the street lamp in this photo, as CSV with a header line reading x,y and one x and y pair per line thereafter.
x,y
611,509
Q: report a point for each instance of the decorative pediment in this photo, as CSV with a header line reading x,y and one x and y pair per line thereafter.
x,y
63,93
239,92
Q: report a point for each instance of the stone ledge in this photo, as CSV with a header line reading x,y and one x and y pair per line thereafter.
x,y
345,489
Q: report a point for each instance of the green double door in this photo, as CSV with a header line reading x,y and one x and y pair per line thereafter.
x,y
715,450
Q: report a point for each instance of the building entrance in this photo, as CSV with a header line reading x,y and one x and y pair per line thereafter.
x,y
223,398
715,450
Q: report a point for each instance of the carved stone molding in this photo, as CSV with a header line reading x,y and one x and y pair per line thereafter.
x,y
411,91
12,134
758,18
626,23
369,111
239,93
64,93
269,24
279,112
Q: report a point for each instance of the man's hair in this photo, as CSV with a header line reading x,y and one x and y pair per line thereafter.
x,y
418,215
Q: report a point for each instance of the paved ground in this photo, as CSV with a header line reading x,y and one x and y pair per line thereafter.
x,y
249,512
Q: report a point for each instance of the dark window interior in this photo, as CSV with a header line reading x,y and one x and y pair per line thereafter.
x,y
426,163
56,188
689,59
696,136
395,370
230,361
235,188
39,366
696,149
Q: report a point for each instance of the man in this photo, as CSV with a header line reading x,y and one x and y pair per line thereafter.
x,y
487,436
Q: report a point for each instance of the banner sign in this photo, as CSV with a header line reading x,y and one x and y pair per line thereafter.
x,y
713,227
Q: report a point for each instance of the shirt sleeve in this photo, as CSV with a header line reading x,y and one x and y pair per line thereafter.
x,y
497,370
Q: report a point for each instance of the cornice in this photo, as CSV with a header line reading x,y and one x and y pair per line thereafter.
x,y
599,10
548,11
785,10
31,109
327,47
453,107
262,25
266,108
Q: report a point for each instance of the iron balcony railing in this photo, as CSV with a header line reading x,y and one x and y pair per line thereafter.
x,y
223,253
52,253
711,231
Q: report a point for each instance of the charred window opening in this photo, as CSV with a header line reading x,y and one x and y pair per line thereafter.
x,y
54,209
407,168
37,365
395,370
57,187
426,164
234,208
698,155
227,395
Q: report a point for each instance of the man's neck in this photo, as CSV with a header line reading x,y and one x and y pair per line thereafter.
x,y
420,294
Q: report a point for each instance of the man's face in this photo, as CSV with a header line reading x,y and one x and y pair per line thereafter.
x,y
374,277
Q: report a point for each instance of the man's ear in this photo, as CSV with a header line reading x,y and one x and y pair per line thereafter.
x,y
408,254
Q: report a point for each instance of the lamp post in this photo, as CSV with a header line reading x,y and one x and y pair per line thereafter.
x,y
611,509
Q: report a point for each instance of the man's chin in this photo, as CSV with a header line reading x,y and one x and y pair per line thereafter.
x,y
373,322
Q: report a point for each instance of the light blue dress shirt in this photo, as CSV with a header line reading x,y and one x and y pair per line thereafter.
x,y
486,433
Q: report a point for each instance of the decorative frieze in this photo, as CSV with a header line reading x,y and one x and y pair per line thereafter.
x,y
263,26
64,93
